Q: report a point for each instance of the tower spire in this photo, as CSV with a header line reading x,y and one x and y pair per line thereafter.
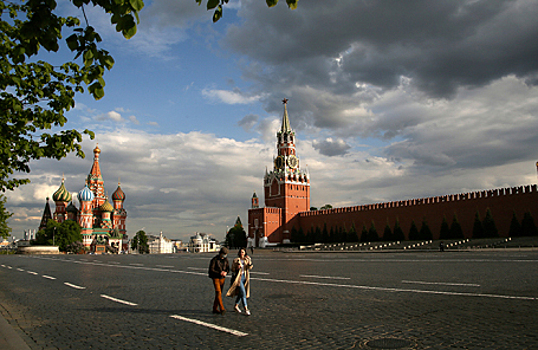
x,y
285,120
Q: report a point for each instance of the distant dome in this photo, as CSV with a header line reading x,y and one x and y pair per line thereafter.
x,y
96,150
86,195
71,208
106,207
118,195
61,195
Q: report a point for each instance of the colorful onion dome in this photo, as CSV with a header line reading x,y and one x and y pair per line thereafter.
x,y
86,195
118,195
71,208
61,195
106,207
96,150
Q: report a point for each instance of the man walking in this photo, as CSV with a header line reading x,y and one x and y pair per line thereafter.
x,y
218,269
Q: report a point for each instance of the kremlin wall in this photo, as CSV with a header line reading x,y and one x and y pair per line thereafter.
x,y
503,203
287,204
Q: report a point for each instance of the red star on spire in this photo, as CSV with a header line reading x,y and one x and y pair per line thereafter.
x,y
285,101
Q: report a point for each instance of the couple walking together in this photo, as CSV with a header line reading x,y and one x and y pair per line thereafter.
x,y
240,288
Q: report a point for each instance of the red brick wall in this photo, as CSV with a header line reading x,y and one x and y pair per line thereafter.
x,y
501,202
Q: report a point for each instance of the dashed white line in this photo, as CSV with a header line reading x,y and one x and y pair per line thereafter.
x,y
443,283
19,269
327,277
118,300
49,277
168,266
74,285
136,264
401,290
32,273
210,325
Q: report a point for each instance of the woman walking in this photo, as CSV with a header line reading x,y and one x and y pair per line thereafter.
x,y
241,283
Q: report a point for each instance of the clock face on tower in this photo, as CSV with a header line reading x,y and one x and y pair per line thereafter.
x,y
279,162
293,162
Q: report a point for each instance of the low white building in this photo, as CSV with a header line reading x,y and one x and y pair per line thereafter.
x,y
160,245
202,243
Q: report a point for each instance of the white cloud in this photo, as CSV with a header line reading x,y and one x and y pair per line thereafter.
x,y
230,97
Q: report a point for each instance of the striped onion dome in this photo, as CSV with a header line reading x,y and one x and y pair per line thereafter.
x,y
61,195
118,195
106,207
86,195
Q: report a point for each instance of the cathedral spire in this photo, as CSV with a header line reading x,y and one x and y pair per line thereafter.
x,y
95,172
285,120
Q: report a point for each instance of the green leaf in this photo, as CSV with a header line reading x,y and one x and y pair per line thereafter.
x,y
271,3
218,14
137,5
292,4
129,32
72,42
211,4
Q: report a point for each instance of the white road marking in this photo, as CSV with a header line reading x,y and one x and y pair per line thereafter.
x,y
164,266
209,325
19,269
73,286
443,283
136,264
327,277
32,273
9,267
401,290
118,300
197,268
3,265
49,277
386,289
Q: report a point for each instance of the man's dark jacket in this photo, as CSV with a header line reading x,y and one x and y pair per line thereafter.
x,y
217,265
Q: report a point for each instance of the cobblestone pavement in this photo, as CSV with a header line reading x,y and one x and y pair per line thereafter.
x,y
298,301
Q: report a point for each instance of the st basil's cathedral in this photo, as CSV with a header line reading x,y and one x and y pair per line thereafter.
x,y
102,224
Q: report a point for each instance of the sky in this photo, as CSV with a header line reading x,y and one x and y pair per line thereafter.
x,y
390,100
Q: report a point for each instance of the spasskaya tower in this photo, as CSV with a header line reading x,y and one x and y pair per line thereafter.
x,y
287,193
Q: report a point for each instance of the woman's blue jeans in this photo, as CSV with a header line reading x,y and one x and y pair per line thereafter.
x,y
242,296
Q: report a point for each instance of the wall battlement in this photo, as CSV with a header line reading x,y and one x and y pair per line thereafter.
x,y
475,195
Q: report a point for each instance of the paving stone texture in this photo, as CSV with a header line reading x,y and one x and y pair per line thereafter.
x,y
483,300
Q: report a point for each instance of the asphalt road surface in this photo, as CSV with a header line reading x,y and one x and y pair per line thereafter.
x,y
464,300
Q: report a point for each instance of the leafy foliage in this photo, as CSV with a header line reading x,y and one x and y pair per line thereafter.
x,y
4,215
36,94
413,232
397,233
63,235
445,229
478,228
456,232
515,227
387,232
425,232
528,227
236,236
217,5
490,229
140,242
